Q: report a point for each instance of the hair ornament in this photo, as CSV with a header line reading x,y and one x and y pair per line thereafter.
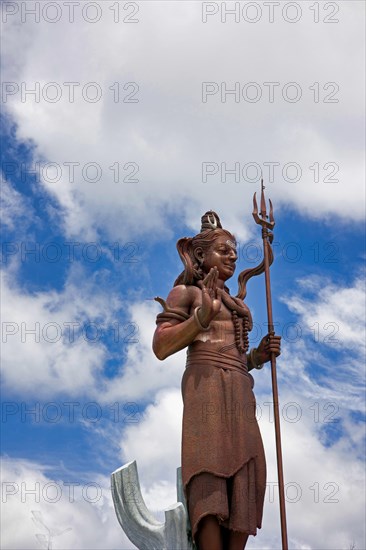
x,y
210,221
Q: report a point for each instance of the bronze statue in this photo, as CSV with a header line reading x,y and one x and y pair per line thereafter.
x,y
223,462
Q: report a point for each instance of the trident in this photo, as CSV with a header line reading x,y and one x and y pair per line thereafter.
x,y
267,237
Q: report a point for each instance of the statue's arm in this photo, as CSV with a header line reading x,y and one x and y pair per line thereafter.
x,y
175,335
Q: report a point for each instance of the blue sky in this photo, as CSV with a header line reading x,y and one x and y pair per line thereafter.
x,y
83,255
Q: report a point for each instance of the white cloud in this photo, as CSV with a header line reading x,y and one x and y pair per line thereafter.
x,y
16,212
43,355
48,361
333,304
160,428
332,318
170,132
142,374
322,488
27,487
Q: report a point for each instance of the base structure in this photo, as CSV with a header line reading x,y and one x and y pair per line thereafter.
x,y
139,524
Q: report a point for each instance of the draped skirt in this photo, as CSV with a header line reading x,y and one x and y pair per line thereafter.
x,y
223,463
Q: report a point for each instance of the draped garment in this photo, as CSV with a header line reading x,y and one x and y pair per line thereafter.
x,y
223,463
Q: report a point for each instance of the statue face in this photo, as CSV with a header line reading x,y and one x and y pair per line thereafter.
x,y
221,254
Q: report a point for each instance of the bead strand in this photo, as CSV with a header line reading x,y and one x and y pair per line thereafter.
x,y
240,332
245,334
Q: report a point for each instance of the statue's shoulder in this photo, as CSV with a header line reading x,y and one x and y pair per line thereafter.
x,y
182,296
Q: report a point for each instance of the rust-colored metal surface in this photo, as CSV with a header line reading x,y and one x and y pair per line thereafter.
x,y
267,237
223,464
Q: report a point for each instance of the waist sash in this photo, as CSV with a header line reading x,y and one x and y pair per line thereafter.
x,y
204,358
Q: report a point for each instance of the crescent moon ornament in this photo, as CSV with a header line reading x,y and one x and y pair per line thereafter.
x,y
213,223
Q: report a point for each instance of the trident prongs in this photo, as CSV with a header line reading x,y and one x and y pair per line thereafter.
x,y
263,219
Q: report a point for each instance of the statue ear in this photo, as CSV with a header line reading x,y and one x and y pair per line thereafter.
x,y
198,254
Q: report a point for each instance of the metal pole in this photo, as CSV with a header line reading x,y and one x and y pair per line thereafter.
x,y
275,396
267,237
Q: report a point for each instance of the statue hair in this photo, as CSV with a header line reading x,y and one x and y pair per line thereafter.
x,y
187,247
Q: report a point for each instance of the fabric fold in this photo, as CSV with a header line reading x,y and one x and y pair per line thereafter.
x,y
221,443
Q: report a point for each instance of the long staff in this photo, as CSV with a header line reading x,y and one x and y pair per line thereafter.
x,y
267,237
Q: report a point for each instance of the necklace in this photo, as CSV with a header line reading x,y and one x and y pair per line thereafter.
x,y
241,330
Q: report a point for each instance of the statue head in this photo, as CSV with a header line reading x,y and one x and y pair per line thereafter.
x,y
192,250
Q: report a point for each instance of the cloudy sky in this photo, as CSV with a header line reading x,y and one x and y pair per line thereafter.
x,y
122,123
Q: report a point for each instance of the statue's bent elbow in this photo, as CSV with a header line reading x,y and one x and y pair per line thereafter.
x,y
158,350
